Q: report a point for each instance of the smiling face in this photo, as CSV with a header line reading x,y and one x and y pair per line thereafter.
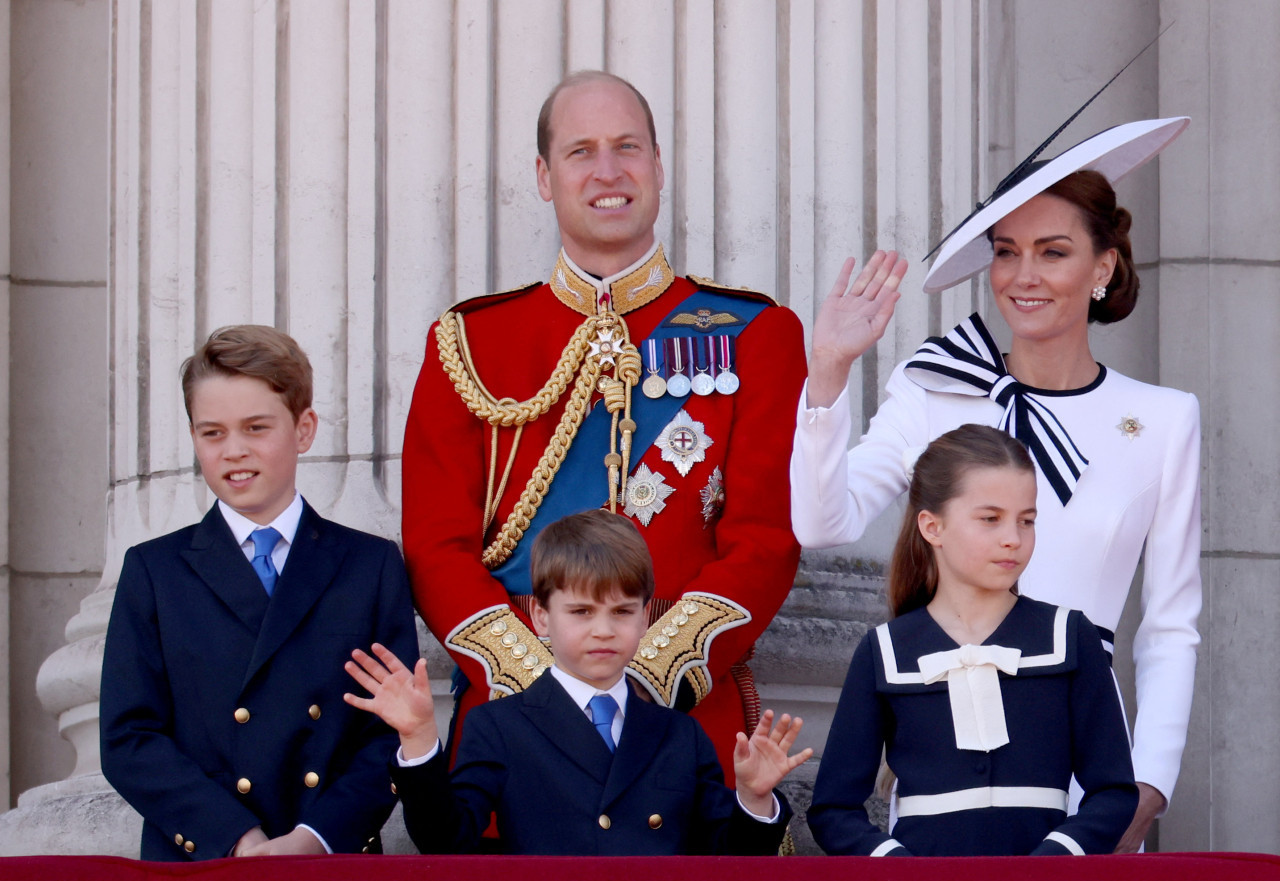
x,y
248,444
983,537
593,640
603,174
1044,268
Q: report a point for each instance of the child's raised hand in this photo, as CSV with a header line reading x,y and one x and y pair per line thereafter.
x,y
762,761
400,697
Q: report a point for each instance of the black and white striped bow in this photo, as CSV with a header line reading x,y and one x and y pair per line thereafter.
x,y
967,361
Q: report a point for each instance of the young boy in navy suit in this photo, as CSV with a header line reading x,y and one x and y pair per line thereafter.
x,y
220,716
579,763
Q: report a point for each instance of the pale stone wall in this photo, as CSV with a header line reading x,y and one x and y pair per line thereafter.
x,y
346,170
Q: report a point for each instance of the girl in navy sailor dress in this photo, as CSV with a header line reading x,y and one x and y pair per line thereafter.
x,y
983,702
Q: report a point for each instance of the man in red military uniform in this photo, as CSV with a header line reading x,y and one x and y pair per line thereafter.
x,y
615,384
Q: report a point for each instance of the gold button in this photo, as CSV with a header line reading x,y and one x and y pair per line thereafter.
x,y
312,779
655,821
394,791
243,786
314,711
242,715
177,839
364,849
189,847
604,821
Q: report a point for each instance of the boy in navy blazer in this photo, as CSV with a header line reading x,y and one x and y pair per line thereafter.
x,y
579,763
220,716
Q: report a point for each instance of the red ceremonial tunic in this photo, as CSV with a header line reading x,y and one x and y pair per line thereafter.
x,y
744,552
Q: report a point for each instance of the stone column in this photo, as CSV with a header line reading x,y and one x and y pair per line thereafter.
x,y
5,232
54,331
1219,322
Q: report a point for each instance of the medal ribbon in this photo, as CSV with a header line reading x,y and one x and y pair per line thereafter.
x,y
727,344
967,361
703,356
651,350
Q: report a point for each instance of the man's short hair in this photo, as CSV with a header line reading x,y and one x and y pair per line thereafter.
x,y
256,351
596,552
578,78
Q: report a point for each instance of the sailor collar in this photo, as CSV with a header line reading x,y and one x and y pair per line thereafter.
x,y
1043,634
633,287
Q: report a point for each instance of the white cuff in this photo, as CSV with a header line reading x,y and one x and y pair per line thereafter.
x,y
319,837
885,847
420,760
777,810
1066,841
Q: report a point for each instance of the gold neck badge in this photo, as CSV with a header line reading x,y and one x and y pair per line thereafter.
x,y
628,290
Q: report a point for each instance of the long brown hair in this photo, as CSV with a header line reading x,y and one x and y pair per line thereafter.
x,y
938,478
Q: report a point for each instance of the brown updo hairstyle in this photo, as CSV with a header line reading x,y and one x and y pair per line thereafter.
x,y
939,477
1108,226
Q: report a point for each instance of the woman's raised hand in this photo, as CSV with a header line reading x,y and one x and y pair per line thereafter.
x,y
852,318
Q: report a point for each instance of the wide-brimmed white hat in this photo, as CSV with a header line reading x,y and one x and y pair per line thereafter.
x,y
1114,152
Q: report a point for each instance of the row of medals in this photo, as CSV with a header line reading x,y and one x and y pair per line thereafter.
x,y
678,383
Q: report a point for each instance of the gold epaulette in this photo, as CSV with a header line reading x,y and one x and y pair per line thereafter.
x,y
471,303
513,657
710,285
676,646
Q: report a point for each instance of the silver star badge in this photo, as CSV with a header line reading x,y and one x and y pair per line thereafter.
x,y
647,493
713,496
1130,427
607,345
683,442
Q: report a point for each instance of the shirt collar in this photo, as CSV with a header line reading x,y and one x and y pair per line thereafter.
x,y
581,692
286,523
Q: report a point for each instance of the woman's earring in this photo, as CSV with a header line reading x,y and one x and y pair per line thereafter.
x,y
1099,292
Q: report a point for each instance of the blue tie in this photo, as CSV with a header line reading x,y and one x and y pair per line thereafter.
x,y
603,709
264,542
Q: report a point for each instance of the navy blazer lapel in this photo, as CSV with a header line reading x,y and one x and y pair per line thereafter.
x,y
313,561
563,723
644,730
219,562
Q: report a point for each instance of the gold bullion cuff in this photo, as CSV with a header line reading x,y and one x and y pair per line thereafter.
x,y
677,644
511,654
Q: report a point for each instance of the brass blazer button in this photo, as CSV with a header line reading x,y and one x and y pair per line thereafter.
x,y
394,791
189,847
655,821
242,715
243,786
177,839
314,711
604,821
312,779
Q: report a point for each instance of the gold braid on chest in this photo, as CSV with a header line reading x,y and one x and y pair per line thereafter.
x,y
599,356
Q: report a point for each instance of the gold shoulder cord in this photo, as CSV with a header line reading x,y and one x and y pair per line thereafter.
x,y
593,346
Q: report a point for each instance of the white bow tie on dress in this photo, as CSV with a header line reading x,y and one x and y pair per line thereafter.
x,y
973,684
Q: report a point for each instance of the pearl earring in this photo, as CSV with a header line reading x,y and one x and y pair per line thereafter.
x,y
1099,292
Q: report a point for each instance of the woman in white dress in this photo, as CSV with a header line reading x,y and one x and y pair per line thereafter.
x,y
1117,460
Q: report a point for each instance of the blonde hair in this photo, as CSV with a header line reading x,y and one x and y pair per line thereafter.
x,y
256,351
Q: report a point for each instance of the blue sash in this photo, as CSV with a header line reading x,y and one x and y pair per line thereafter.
x,y
582,483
